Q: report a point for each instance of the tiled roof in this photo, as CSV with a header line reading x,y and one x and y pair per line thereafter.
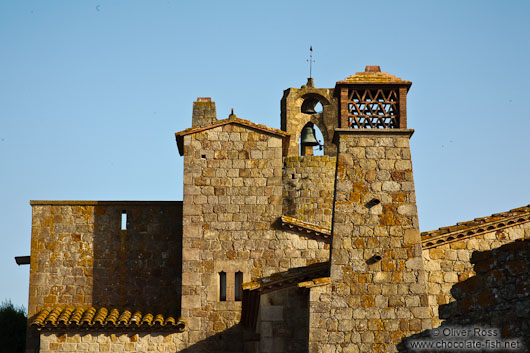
x,y
309,276
289,278
77,317
304,227
232,120
315,282
475,227
371,75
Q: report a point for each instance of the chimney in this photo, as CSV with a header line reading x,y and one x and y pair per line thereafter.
x,y
372,68
203,112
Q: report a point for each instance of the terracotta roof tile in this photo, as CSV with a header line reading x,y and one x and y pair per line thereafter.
x,y
289,278
468,229
371,77
307,277
304,227
71,317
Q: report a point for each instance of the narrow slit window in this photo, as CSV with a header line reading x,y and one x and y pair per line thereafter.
x,y
123,220
222,286
238,283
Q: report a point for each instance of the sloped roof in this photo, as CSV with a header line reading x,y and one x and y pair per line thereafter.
x,y
304,227
289,278
80,317
373,75
475,227
231,120
309,276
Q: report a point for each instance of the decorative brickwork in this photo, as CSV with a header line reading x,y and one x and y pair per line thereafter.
x,y
373,109
372,99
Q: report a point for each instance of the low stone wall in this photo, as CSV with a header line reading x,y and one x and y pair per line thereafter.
x,y
308,186
450,264
498,295
76,342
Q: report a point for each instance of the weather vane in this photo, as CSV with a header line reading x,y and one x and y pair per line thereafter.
x,y
311,61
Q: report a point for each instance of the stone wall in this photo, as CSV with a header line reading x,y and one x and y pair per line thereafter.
x,y
381,299
232,201
308,185
80,255
493,293
497,295
449,264
283,321
75,342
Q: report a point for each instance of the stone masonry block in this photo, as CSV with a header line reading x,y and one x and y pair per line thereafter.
x,y
271,312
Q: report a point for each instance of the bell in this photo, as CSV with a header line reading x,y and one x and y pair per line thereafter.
x,y
308,136
308,107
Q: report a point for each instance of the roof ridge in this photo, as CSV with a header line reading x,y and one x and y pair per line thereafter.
x,y
305,227
231,120
221,122
467,229
289,278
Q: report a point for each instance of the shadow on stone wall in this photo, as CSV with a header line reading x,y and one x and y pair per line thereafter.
x,y
228,341
494,304
140,267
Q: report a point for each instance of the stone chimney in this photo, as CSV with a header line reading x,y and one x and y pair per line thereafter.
x,y
203,112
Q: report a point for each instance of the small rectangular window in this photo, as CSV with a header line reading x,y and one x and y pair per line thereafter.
x,y
123,220
238,284
222,286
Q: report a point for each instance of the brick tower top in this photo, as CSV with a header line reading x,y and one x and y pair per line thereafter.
x,y
372,100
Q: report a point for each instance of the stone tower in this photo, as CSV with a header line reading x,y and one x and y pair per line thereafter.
x,y
232,197
379,287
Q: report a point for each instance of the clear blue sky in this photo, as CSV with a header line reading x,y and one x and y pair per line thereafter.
x,y
91,93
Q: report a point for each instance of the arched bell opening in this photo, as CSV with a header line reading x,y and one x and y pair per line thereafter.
x,y
311,141
311,106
